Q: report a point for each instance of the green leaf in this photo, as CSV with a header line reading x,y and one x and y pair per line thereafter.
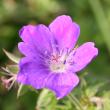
x,y
94,88
22,90
11,56
46,100
12,68
106,100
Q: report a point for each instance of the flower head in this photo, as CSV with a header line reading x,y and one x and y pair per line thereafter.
x,y
51,59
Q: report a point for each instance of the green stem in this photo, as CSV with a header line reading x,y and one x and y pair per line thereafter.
x,y
75,102
101,19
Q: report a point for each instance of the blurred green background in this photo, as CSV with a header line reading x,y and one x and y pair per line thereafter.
x,y
93,16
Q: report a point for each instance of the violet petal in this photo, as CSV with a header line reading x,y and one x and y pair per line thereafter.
x,y
62,84
82,56
32,73
36,37
65,31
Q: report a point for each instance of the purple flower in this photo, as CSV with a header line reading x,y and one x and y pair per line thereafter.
x,y
51,61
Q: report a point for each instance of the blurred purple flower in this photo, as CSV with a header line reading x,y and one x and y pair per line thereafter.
x,y
51,61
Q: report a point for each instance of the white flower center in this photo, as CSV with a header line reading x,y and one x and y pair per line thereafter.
x,y
57,67
58,62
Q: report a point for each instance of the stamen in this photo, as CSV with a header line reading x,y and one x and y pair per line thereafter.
x,y
55,57
64,55
58,61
